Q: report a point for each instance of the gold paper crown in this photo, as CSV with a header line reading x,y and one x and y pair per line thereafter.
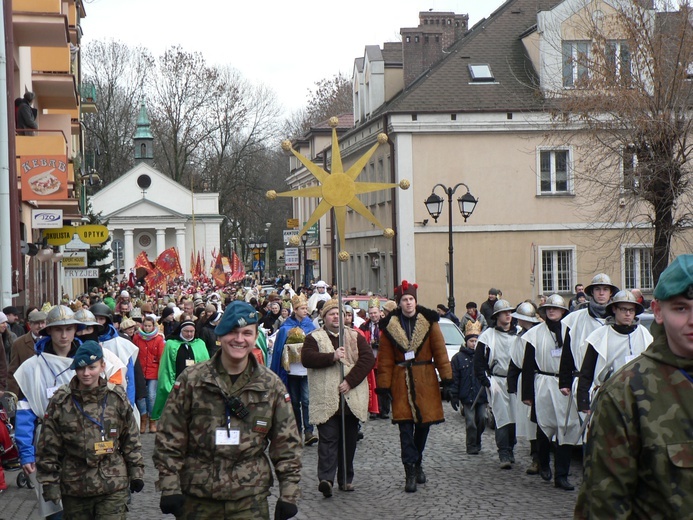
x,y
286,305
354,304
299,300
374,302
472,327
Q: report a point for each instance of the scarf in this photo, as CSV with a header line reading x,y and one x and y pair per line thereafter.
x,y
555,327
148,335
596,310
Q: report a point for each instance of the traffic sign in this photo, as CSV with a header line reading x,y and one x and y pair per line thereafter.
x,y
292,223
258,265
291,256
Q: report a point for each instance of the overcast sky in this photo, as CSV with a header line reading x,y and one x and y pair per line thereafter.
x,y
287,46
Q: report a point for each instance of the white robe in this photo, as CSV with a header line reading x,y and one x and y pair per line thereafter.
x,y
500,346
550,404
524,427
615,349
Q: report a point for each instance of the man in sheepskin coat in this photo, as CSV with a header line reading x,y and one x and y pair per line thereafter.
x,y
412,348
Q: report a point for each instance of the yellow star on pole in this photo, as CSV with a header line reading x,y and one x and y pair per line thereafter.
x,y
339,188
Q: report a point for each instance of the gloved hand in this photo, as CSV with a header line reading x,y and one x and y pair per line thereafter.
x,y
284,510
172,504
455,403
486,382
136,485
51,493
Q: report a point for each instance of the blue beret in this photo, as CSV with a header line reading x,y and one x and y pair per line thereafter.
x,y
677,279
237,314
88,352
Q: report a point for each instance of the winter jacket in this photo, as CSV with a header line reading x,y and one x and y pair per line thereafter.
x,y
150,354
67,462
465,385
125,350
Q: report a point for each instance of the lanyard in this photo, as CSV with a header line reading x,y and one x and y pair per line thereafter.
x,y
55,376
97,423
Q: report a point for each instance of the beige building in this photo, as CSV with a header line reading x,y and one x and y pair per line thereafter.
x,y
470,112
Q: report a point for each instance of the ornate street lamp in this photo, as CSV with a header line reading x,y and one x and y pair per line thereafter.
x,y
434,206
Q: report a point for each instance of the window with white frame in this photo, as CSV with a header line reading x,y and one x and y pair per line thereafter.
x,y
637,268
557,270
618,61
554,171
630,179
575,56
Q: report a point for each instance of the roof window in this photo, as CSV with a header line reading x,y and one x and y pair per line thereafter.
x,y
481,73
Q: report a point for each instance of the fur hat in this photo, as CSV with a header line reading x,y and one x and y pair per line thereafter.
x,y
404,289
328,306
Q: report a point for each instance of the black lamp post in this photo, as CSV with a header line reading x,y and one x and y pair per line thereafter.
x,y
304,239
434,205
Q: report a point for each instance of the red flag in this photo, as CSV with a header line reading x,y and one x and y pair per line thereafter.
x,y
238,269
198,267
142,262
192,264
168,264
218,274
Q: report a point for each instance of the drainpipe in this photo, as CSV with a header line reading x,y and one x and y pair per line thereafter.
x,y
5,212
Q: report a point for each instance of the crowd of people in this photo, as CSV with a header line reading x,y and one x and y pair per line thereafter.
x,y
229,382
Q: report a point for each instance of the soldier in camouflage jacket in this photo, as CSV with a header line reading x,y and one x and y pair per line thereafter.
x,y
639,461
218,422
89,447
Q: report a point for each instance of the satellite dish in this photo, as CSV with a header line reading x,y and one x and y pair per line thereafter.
x,y
144,181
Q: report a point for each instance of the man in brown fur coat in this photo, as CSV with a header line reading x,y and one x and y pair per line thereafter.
x,y
412,347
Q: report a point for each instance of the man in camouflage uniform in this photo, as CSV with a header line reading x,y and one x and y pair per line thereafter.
x,y
639,458
218,421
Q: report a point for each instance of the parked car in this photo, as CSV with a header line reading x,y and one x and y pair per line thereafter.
x,y
454,338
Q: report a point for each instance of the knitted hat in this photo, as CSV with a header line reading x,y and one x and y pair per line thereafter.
x,y
404,289
127,323
389,306
3,318
328,306
677,279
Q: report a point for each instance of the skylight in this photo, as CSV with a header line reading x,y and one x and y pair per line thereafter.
x,y
481,73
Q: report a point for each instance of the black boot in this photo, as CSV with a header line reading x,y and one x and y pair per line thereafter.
x,y
410,471
420,475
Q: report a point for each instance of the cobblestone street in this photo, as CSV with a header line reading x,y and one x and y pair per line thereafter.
x,y
459,485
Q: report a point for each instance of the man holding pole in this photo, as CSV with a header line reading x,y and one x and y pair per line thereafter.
x,y
339,395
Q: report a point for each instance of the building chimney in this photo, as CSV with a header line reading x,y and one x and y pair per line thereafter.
x,y
423,46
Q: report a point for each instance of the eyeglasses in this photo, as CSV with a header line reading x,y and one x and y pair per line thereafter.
x,y
626,310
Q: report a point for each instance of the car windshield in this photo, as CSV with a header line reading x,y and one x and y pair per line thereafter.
x,y
451,333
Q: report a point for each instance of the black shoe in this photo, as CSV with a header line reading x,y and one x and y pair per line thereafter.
x,y
512,458
325,487
546,474
410,483
420,475
562,483
505,464
473,451
384,415
373,416
359,436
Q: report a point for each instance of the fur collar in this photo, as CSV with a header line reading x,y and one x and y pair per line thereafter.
x,y
392,328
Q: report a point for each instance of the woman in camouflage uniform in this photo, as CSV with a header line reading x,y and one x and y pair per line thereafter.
x,y
89,450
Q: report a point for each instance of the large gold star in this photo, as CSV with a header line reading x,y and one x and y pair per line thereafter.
x,y
339,188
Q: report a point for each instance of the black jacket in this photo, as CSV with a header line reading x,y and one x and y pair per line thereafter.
x,y
465,385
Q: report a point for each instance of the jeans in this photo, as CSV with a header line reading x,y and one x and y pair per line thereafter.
x,y
298,391
505,441
412,438
475,421
152,385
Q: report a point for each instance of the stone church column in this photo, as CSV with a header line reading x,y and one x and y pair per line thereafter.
x,y
160,241
128,251
182,253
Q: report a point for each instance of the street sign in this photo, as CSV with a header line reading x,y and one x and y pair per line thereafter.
x,y
280,257
258,265
74,260
291,256
292,223
288,233
291,267
89,272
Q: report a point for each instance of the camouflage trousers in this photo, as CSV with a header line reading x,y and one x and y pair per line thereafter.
x,y
250,508
103,507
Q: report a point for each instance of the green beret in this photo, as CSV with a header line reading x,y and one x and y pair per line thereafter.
x,y
88,352
237,314
677,279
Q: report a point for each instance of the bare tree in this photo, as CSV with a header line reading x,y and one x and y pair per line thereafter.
x,y
629,111
182,109
119,74
330,97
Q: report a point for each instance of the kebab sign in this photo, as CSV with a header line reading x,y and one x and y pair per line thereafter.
x,y
44,177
